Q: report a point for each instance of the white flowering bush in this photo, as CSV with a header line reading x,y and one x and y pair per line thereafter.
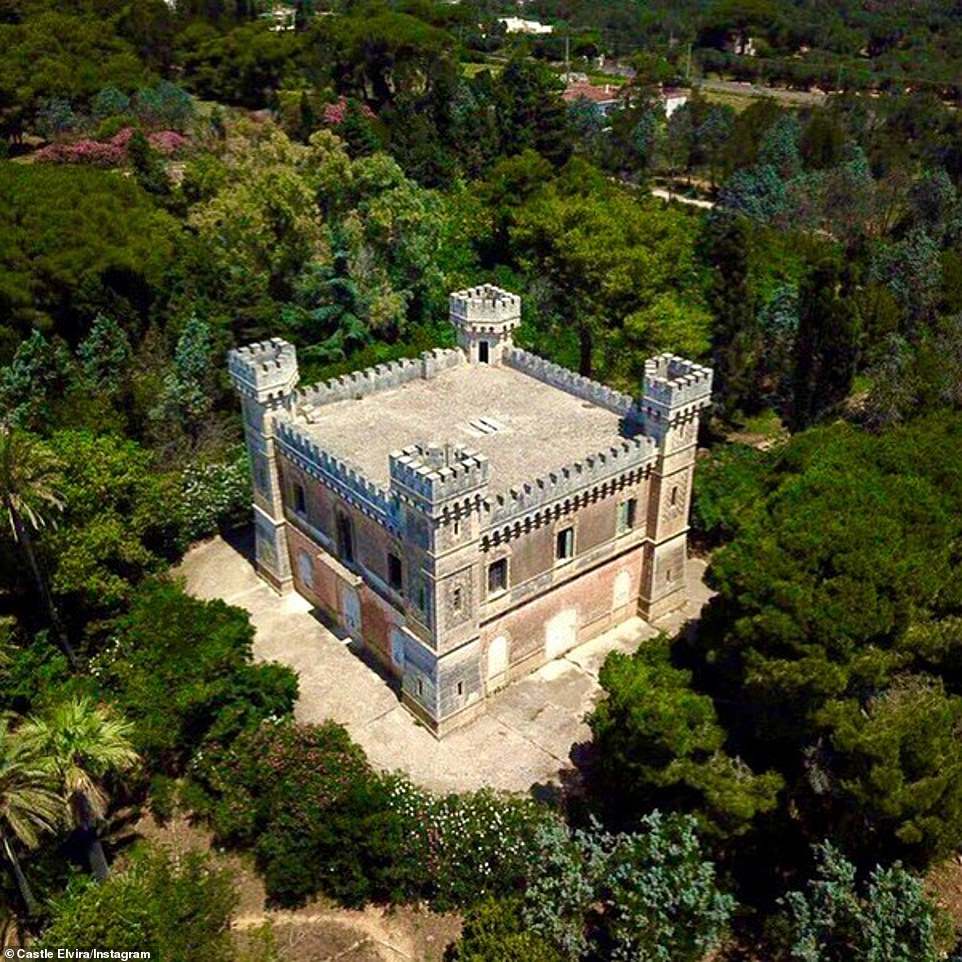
x,y
214,496
471,846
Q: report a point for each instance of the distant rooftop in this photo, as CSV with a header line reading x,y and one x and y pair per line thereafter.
x,y
523,426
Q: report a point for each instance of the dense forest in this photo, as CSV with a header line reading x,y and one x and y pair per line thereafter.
x,y
777,782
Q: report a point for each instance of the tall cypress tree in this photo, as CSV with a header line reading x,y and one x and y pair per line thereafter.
x,y
827,347
736,340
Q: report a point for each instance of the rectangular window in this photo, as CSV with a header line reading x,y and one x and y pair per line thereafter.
x,y
456,599
420,688
565,544
300,500
345,538
395,575
460,687
498,576
626,515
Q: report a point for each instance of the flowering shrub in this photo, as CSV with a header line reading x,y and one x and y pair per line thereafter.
x,y
471,846
112,152
314,812
320,819
334,113
214,496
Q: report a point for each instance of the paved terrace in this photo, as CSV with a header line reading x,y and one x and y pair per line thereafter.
x,y
525,427
529,736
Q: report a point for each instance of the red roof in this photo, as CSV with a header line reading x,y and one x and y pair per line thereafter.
x,y
587,91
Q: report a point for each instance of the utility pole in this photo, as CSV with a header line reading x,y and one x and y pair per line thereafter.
x,y
688,64
567,53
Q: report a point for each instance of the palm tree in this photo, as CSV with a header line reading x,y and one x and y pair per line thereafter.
x,y
29,803
28,473
84,744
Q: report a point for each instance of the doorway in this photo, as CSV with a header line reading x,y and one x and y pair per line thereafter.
x,y
483,352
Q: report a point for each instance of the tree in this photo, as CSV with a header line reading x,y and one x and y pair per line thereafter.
x,y
660,745
174,906
648,894
826,346
29,803
29,474
736,344
182,671
836,920
85,745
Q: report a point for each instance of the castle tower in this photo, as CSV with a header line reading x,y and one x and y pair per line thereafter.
x,y
674,394
265,376
485,318
440,491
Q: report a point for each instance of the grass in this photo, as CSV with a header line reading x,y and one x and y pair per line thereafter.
x,y
473,69
766,423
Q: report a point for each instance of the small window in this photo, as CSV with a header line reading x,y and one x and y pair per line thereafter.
x,y
457,527
673,497
565,544
668,574
456,599
422,598
627,511
498,576
395,574
345,537
300,501
460,687
420,688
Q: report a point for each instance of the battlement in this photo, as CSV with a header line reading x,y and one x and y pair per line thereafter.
x,y
571,478
338,474
372,380
436,473
671,382
485,304
265,370
568,381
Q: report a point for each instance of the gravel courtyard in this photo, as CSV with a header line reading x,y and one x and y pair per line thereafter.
x,y
529,736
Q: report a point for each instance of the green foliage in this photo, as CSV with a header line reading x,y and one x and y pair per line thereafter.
x,y
215,496
74,242
175,907
182,671
729,487
836,920
649,894
661,746
494,931
117,524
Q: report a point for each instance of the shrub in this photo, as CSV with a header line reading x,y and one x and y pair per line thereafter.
x,y
472,845
215,496
175,907
494,931
182,671
314,812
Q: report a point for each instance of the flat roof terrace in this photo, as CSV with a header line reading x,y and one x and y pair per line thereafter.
x,y
523,426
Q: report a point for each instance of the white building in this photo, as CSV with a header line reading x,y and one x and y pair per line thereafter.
x,y
519,25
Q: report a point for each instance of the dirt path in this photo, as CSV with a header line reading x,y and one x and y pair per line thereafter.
x,y
320,931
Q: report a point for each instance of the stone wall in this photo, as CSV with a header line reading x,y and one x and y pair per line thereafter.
x,y
372,380
565,380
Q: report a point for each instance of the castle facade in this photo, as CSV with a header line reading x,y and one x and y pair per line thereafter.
x,y
472,513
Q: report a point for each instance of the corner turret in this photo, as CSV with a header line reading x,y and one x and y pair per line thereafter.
x,y
485,318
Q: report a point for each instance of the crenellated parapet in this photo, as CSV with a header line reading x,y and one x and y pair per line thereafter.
x,y
485,305
568,381
372,380
430,477
338,474
563,482
676,384
265,371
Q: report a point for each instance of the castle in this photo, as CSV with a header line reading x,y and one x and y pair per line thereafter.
x,y
475,512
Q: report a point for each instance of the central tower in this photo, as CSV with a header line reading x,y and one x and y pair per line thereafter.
x,y
485,318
